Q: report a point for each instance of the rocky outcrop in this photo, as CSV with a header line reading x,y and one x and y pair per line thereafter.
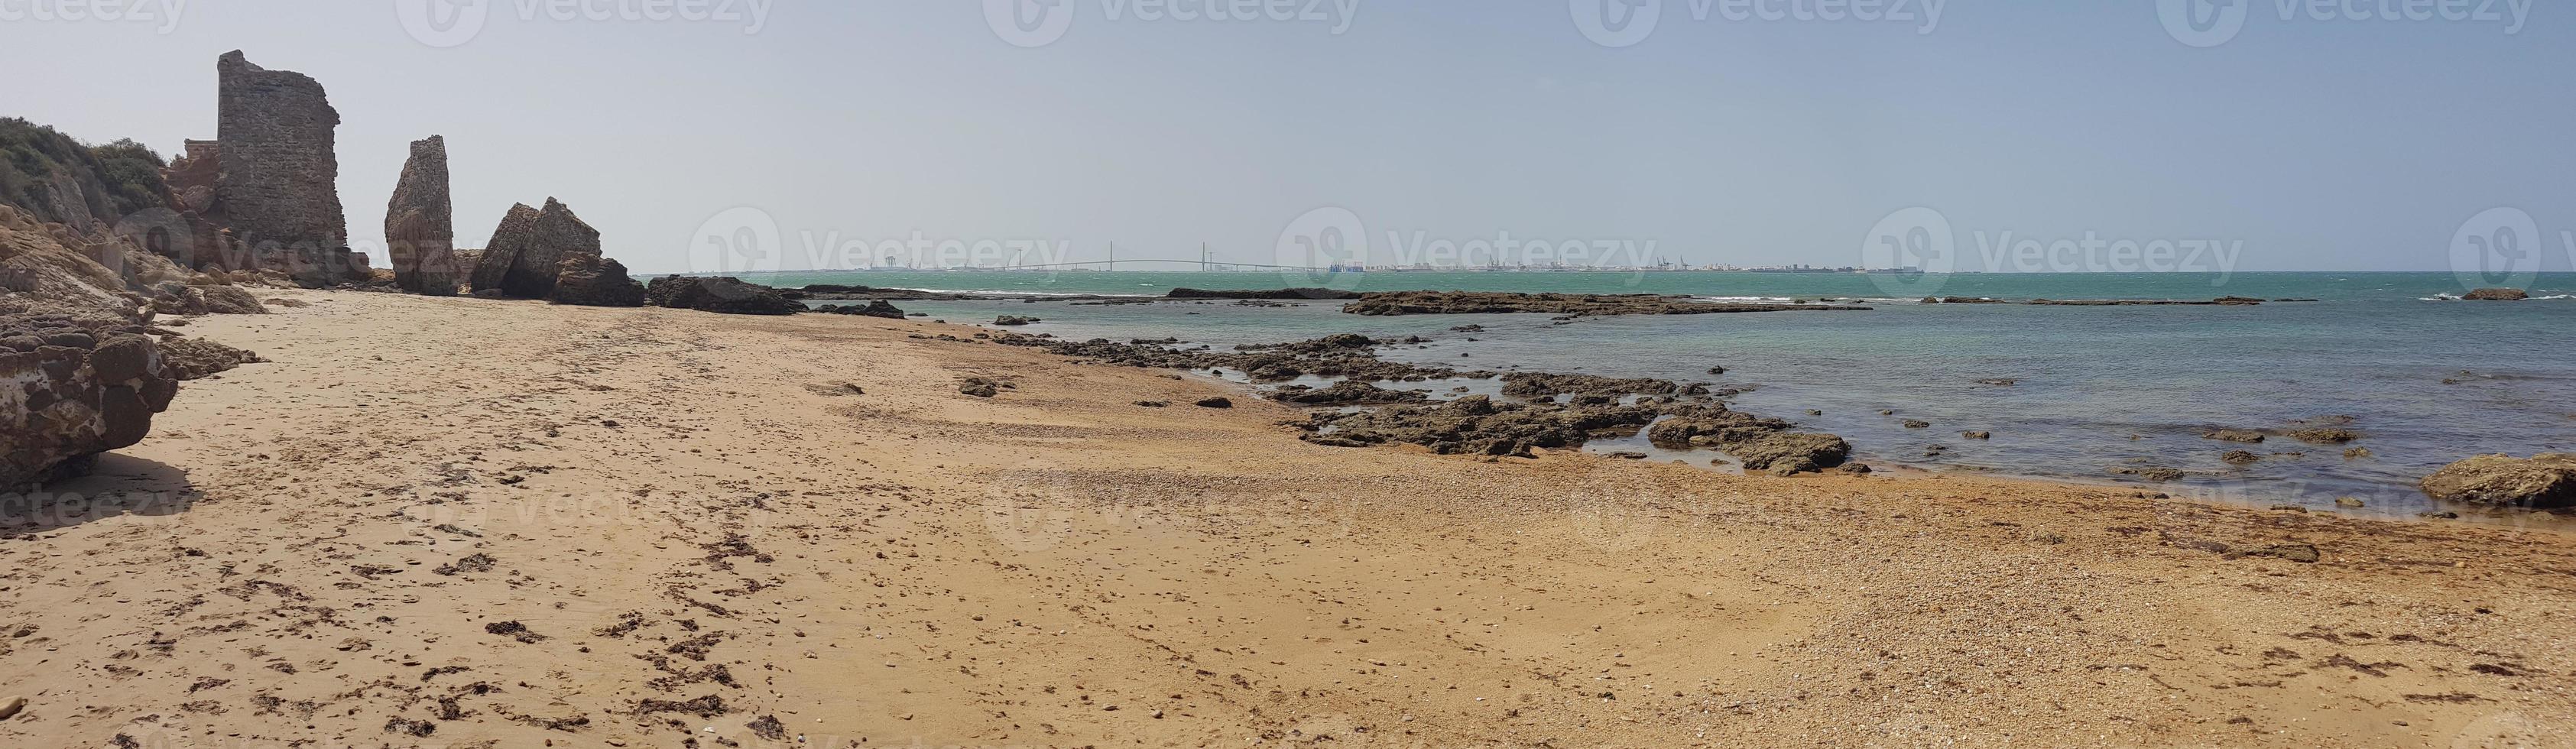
x,y
72,387
1495,302
877,308
2225,301
1344,393
197,358
1549,385
180,299
1303,293
518,227
1790,453
279,183
1475,425
420,224
724,294
1344,355
551,254
2497,295
557,234
42,273
2543,482
592,281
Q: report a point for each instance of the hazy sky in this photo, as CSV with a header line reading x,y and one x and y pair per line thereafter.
x,y
2312,141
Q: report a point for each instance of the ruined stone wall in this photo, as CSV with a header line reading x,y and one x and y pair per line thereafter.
x,y
279,185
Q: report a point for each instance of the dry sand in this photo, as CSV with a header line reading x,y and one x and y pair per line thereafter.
x,y
466,523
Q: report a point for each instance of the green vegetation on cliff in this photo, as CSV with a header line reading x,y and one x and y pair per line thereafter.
x,y
113,180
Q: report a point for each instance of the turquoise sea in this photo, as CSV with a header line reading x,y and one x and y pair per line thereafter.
x,y
2426,379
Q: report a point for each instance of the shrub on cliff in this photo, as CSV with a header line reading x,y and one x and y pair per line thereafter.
x,y
112,181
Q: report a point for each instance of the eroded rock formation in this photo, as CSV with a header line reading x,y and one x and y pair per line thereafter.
x,y
724,294
518,227
589,280
556,233
420,225
2545,481
551,254
278,182
72,387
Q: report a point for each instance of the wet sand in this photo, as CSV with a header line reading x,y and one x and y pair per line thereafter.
x,y
467,523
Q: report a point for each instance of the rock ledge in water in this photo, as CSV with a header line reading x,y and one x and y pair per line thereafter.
x,y
2542,482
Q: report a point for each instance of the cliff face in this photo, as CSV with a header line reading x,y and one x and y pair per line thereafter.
x,y
279,179
78,374
420,225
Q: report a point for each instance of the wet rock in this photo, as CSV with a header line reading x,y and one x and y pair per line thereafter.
x,y
2496,295
1344,356
2544,481
1344,393
2301,553
1476,425
1218,402
1916,424
1976,435
1014,320
1545,385
2240,458
2233,435
1300,293
1788,453
2152,473
2324,435
1494,302
874,308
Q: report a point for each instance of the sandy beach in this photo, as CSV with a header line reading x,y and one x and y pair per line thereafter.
x,y
455,522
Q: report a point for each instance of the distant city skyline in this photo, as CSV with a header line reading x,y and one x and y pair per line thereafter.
x,y
813,135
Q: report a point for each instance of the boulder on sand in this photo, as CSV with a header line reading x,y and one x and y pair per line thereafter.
x,y
197,358
588,280
501,253
2543,482
1786,453
722,294
80,386
874,308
